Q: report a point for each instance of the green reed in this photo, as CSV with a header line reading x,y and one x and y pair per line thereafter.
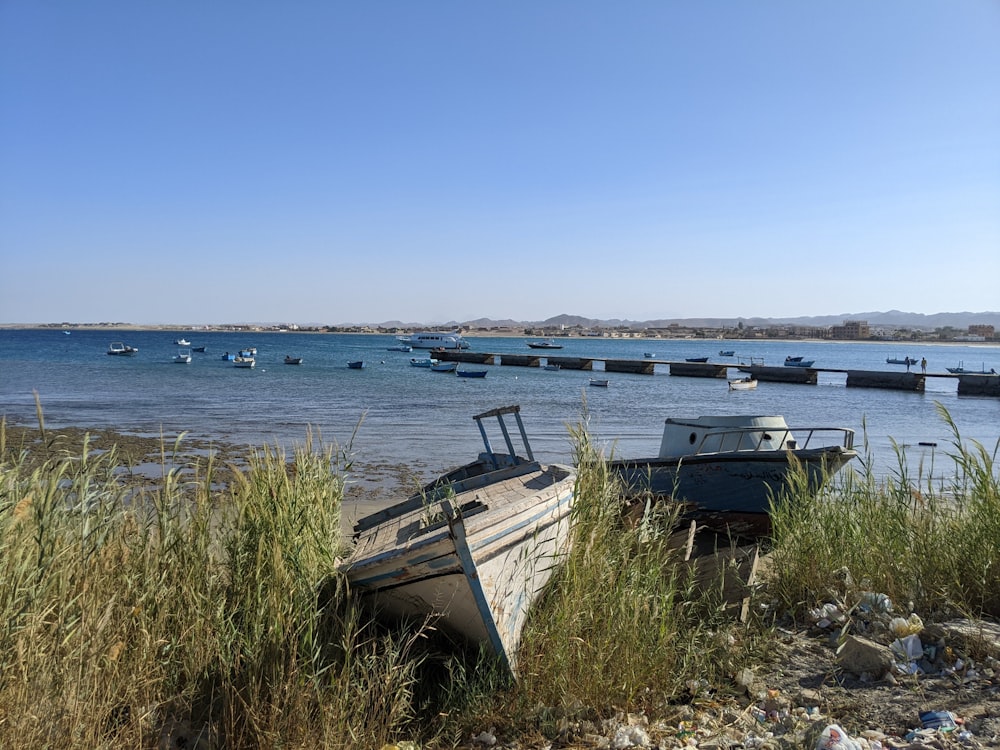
x,y
931,546
177,607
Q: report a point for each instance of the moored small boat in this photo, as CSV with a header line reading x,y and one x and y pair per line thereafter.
x,y
246,363
551,367
798,362
696,359
908,361
600,382
422,361
734,464
548,344
356,364
444,366
727,353
183,356
963,370
182,342
121,349
290,360
743,384
471,373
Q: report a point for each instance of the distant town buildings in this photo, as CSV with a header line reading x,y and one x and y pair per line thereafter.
x,y
852,329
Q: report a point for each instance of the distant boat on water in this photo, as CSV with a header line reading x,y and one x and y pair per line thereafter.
x,y
798,362
120,349
963,370
434,340
743,384
548,344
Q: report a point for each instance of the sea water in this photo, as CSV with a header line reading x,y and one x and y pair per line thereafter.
x,y
393,412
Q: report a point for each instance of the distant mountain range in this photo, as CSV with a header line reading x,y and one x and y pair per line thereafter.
x,y
892,318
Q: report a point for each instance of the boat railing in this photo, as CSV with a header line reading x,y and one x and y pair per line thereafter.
x,y
759,439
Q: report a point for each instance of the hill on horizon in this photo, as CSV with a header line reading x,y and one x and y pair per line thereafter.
x,y
893,318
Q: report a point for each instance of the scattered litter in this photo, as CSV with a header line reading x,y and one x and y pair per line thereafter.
x,y
835,738
943,720
872,602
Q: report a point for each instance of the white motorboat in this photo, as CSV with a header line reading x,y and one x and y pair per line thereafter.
x,y
734,464
121,349
434,340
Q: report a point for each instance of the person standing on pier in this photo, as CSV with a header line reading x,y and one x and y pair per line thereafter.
x,y
923,365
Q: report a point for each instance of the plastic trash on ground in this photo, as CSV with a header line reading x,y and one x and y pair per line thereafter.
x,y
835,738
941,720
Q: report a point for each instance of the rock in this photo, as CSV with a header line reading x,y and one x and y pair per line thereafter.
x,y
862,656
975,637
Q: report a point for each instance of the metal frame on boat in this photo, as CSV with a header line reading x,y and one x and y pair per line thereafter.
x,y
474,548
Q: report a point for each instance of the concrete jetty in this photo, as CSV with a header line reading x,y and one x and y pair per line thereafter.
x,y
969,384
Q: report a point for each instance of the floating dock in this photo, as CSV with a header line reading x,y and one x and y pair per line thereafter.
x,y
969,384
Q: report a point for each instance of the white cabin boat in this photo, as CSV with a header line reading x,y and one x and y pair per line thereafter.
x,y
473,549
743,384
121,349
734,464
183,356
434,340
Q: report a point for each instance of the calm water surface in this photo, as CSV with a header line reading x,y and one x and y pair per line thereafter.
x,y
419,418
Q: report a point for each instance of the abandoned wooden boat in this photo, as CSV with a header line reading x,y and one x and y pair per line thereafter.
x,y
474,548
734,464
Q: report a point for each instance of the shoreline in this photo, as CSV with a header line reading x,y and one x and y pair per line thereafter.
x,y
476,334
368,485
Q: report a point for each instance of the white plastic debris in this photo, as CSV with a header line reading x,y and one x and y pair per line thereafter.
x,y
835,738
629,737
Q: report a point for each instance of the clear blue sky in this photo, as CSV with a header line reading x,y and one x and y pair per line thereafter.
x,y
335,162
